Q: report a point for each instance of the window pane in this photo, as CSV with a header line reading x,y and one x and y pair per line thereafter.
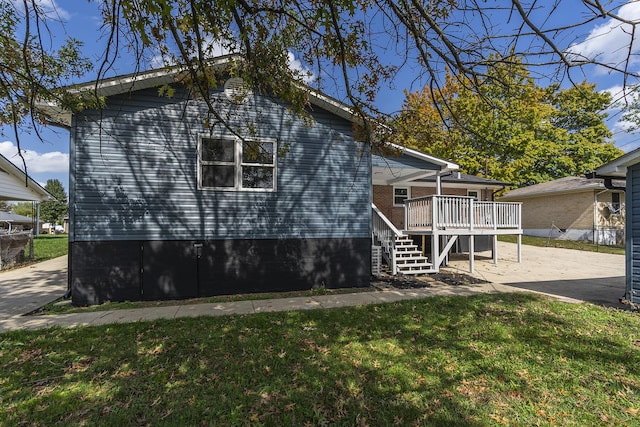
x,y
218,176
218,150
257,177
400,195
257,152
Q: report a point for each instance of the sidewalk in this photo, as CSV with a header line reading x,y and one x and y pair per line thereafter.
x,y
25,289
244,307
568,275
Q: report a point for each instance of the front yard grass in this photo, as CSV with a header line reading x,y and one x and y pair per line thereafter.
x,y
560,243
49,246
508,359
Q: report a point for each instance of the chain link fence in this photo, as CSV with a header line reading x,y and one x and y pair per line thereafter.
x,y
15,248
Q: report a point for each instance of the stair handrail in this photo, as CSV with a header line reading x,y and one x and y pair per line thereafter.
x,y
386,233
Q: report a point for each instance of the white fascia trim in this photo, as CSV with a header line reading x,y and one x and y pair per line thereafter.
x,y
408,180
445,166
618,167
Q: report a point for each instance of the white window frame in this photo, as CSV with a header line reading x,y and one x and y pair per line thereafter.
x,y
476,197
237,163
394,195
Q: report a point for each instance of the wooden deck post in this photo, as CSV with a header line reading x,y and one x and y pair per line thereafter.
x,y
435,237
495,248
471,251
519,248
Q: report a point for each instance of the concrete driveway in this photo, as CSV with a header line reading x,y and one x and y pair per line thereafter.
x,y
588,276
25,289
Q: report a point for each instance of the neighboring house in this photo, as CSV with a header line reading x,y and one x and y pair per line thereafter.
x,y
15,185
168,203
573,208
627,167
12,222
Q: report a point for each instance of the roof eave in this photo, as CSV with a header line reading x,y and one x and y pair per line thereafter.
x,y
617,168
445,166
13,170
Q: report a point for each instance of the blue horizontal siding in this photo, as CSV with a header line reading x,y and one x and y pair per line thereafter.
x,y
633,235
134,174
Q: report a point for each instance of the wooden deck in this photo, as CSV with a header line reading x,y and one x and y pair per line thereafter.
x,y
459,215
445,218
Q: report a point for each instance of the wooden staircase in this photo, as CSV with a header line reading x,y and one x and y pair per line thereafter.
x,y
409,259
397,249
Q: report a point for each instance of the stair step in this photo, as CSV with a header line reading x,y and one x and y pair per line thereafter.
x,y
423,271
414,265
409,254
404,242
406,247
413,258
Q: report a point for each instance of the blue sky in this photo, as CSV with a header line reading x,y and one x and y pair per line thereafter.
x,y
50,159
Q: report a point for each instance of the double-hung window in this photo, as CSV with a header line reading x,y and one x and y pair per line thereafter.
x,y
400,194
226,163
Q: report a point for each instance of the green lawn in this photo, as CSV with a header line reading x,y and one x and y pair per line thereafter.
x,y
511,359
48,246
567,244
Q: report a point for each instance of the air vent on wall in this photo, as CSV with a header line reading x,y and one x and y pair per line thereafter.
x,y
236,90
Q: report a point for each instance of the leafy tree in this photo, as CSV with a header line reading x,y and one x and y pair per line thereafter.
x,y
507,127
344,43
23,208
4,206
53,211
30,72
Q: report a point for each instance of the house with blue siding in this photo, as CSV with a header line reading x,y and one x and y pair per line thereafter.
x,y
168,203
628,166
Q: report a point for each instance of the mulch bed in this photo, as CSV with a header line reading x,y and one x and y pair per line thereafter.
x,y
399,281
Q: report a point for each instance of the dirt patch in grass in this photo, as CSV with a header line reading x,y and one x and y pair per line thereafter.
x,y
386,281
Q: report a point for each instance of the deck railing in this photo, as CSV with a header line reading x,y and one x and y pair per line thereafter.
x,y
460,212
385,233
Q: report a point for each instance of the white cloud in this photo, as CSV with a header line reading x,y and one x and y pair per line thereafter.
x,y
618,96
51,162
212,49
609,43
48,8
296,65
